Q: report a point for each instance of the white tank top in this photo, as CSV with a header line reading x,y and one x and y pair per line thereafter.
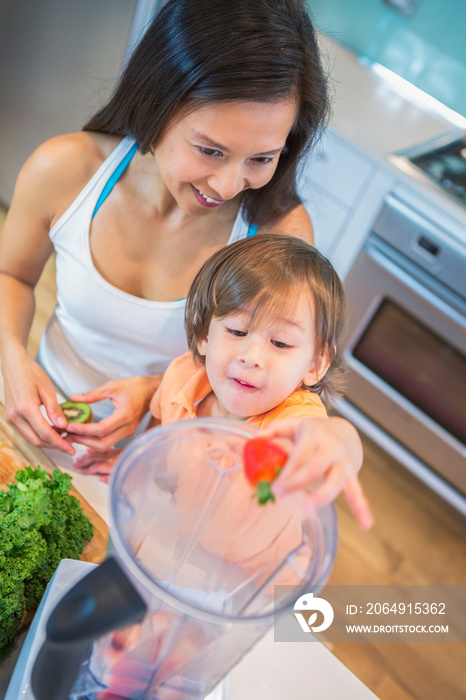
x,y
98,332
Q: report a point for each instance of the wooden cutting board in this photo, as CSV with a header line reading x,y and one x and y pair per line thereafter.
x,y
16,453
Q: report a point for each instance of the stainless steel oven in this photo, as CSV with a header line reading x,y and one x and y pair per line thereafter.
x,y
406,350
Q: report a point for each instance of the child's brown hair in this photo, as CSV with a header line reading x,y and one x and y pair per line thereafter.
x,y
259,273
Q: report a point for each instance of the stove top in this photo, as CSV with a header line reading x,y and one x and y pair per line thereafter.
x,y
446,165
442,162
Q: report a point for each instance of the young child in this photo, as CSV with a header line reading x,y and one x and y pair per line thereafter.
x,y
264,319
264,322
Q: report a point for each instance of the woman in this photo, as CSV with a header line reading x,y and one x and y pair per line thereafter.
x,y
198,147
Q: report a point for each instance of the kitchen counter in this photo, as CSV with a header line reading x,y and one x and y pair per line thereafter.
x,y
370,113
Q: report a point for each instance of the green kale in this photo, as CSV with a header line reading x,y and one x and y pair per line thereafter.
x,y
22,552
40,524
12,609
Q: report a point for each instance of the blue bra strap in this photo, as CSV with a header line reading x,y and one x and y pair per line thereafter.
x,y
114,177
252,230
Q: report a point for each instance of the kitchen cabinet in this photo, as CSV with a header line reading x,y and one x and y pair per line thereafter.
x,y
342,189
339,169
327,214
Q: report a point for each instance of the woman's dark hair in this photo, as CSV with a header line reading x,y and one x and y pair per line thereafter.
x,y
200,51
258,274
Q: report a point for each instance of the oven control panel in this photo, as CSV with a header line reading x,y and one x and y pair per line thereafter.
x,y
423,243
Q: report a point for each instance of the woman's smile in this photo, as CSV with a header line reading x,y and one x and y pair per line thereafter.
x,y
212,154
205,200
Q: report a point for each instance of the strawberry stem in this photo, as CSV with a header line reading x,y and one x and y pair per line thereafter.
x,y
264,493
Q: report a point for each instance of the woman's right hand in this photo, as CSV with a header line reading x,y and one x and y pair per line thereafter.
x,y
47,184
27,388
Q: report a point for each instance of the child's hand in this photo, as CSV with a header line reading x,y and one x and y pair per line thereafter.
x,y
96,462
325,455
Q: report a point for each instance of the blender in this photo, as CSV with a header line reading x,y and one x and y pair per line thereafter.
x,y
197,570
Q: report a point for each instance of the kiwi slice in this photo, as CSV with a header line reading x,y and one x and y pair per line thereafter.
x,y
77,411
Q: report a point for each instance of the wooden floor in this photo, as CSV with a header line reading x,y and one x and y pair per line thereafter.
x,y
417,539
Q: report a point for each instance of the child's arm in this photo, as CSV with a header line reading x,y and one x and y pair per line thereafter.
x,y
98,462
325,455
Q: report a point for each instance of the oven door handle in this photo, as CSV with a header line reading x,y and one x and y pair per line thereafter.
x,y
385,257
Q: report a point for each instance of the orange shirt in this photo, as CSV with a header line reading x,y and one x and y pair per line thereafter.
x,y
185,384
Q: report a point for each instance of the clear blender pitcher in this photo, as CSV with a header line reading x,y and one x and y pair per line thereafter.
x,y
189,587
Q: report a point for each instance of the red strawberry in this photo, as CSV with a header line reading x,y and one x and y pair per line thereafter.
x,y
263,461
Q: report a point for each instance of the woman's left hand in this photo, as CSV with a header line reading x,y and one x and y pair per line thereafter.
x,y
325,455
130,397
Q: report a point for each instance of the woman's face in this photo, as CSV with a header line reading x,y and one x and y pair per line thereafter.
x,y
216,152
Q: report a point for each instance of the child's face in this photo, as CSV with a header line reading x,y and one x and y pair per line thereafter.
x,y
252,369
